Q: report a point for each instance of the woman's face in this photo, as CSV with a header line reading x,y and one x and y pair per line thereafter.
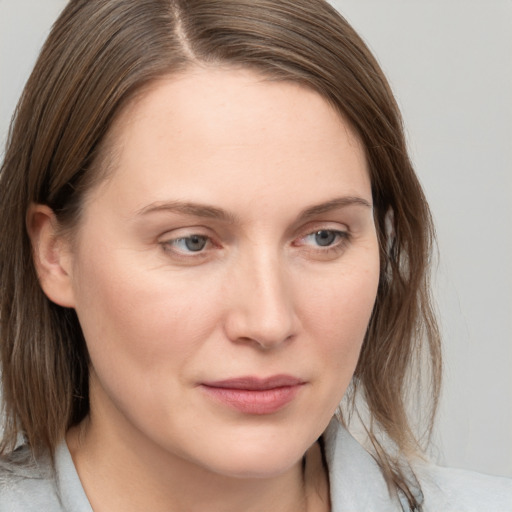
x,y
225,273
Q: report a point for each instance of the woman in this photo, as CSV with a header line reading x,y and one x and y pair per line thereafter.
x,y
213,236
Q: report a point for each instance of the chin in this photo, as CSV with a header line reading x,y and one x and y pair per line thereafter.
x,y
259,466
264,457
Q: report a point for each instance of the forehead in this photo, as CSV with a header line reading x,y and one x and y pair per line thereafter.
x,y
210,129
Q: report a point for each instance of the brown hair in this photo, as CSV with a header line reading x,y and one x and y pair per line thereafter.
x,y
98,55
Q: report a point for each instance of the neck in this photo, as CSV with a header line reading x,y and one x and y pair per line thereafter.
x,y
119,473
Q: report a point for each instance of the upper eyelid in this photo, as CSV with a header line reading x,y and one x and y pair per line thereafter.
x,y
171,249
204,231
321,225
344,235
337,231
184,232
206,253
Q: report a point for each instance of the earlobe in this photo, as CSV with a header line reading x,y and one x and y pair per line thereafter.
x,y
52,257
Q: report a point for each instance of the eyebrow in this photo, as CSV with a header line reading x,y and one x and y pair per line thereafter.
x,y
334,204
188,208
212,212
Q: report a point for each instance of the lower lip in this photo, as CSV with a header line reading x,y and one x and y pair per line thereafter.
x,y
265,401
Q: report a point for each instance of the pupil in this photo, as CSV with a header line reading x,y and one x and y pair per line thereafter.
x,y
324,238
195,243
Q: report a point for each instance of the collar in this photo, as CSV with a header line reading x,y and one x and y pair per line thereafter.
x,y
356,481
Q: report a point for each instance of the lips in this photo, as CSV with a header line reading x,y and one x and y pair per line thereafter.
x,y
254,395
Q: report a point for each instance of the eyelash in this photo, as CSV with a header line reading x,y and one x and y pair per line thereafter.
x,y
169,244
341,238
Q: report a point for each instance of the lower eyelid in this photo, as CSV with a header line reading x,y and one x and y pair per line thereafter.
x,y
170,245
342,236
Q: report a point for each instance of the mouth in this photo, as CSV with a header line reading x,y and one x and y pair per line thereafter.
x,y
254,395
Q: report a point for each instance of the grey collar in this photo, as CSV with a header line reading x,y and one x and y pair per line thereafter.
x,y
356,481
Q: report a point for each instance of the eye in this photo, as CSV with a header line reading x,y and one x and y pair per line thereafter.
x,y
188,244
323,244
324,238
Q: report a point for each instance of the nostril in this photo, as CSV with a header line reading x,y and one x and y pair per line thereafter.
x,y
266,331
260,302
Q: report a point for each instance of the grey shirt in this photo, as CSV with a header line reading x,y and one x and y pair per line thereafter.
x,y
356,483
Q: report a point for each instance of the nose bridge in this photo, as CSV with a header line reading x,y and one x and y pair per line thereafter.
x,y
262,304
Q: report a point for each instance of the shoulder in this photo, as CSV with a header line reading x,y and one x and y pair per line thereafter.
x,y
459,490
27,484
357,482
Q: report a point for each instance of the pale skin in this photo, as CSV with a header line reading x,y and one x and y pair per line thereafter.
x,y
234,236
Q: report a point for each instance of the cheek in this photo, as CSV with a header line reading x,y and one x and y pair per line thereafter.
x,y
344,297
134,317
336,310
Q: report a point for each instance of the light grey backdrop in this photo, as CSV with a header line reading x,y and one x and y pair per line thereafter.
x,y
450,65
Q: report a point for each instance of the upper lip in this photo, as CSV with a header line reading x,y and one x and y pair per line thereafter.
x,y
251,383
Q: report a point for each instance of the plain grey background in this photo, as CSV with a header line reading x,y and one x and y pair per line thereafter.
x,y
450,65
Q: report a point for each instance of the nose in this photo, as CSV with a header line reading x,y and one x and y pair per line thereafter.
x,y
261,309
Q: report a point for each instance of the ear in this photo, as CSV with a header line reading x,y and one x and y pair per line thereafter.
x,y
52,255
